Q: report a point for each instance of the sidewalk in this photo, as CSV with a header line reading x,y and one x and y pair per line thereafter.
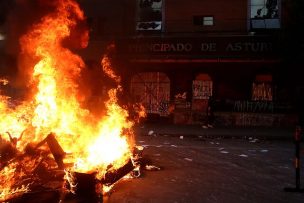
x,y
166,129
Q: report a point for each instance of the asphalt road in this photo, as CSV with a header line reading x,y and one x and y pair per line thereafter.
x,y
196,169
212,170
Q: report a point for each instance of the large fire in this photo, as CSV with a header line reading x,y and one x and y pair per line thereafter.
x,y
55,104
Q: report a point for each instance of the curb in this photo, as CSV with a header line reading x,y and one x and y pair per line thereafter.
x,y
197,131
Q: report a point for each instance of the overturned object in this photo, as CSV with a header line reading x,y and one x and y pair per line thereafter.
x,y
113,175
82,186
132,166
55,149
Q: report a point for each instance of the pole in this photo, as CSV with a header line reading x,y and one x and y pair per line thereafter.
x,y
297,140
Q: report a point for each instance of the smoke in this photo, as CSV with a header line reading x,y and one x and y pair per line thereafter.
x,y
5,7
93,83
5,61
19,20
22,15
16,17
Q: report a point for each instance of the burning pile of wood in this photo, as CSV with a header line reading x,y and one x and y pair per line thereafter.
x,y
87,141
88,187
43,172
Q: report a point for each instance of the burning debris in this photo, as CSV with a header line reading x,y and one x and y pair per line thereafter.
x,y
89,187
37,167
51,135
82,186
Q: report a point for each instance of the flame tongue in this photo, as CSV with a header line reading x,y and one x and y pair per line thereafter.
x,y
111,146
56,105
57,108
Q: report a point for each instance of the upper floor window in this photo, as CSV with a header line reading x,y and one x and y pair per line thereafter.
x,y
208,20
203,20
264,14
149,15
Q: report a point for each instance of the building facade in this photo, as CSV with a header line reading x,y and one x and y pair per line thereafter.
x,y
175,54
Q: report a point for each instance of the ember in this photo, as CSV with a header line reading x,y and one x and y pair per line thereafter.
x,y
95,150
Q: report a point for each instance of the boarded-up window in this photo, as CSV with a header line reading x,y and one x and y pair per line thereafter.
x,y
202,87
152,89
262,88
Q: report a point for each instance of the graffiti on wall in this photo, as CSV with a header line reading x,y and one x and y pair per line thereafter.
x,y
250,119
261,92
201,89
164,107
152,90
253,106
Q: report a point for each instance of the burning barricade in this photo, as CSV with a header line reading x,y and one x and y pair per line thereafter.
x,y
50,135
37,167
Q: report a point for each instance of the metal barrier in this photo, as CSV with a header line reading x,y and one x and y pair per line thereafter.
x,y
297,141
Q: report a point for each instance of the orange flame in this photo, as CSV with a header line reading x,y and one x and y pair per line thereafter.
x,y
56,107
8,181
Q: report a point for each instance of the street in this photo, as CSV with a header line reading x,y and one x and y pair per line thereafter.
x,y
199,169
211,91
196,169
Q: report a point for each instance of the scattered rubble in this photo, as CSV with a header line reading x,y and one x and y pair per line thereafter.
x,y
42,172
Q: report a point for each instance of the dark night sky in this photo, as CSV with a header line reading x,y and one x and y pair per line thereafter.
x,y
16,17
